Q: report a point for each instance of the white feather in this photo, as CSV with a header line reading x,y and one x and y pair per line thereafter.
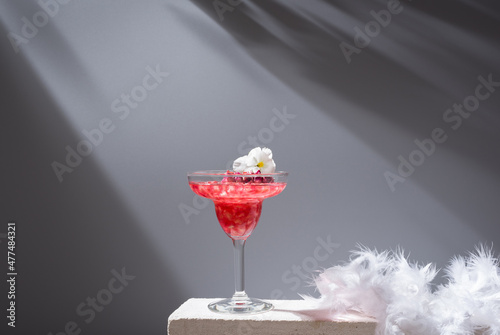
x,y
398,293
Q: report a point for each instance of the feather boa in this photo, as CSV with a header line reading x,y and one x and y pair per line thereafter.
x,y
386,286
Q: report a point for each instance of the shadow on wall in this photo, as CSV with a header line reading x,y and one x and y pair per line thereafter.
x,y
73,237
426,58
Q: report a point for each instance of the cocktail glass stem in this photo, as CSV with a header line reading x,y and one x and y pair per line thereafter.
x,y
239,269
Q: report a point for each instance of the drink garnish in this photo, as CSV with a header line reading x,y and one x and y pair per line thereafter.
x,y
258,160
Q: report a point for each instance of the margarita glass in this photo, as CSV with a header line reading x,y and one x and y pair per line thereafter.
x,y
238,203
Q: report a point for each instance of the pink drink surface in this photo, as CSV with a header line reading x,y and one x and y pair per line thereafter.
x,y
237,205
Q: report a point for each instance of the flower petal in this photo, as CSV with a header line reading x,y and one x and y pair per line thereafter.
x,y
240,164
252,160
252,169
255,152
268,152
260,155
269,167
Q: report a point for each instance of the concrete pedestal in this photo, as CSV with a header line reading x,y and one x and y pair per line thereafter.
x,y
289,317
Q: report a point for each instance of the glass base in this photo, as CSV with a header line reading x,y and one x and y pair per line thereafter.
x,y
240,305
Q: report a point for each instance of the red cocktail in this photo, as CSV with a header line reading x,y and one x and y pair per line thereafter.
x,y
238,204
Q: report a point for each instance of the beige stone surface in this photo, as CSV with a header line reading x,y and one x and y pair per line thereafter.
x,y
295,317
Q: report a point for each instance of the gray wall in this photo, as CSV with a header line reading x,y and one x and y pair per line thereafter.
x,y
268,73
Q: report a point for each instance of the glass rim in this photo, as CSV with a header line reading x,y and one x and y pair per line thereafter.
x,y
224,173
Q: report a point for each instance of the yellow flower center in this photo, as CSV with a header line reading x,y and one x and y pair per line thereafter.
x,y
260,164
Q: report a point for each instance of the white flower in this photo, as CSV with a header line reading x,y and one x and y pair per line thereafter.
x,y
258,159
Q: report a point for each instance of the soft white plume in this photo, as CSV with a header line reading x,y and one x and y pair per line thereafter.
x,y
357,286
386,286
